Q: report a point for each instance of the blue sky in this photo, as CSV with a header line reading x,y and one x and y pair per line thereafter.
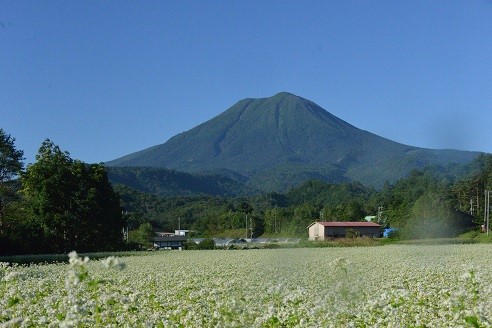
x,y
103,79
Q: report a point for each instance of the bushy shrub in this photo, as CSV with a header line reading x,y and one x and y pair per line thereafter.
x,y
207,243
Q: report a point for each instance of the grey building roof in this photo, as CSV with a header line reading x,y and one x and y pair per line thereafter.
x,y
170,238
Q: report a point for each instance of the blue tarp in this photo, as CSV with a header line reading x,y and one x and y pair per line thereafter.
x,y
387,231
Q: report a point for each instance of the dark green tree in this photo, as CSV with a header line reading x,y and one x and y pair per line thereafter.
x,y
97,208
245,208
20,234
274,220
257,226
354,211
15,229
302,217
207,243
73,202
10,167
433,216
468,193
231,220
142,237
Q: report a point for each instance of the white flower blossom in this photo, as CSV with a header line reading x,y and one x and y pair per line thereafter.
x,y
113,262
387,286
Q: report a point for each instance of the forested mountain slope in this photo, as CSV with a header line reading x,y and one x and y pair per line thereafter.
x,y
163,182
278,142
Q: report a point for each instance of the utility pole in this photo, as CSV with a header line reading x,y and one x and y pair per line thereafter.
x,y
125,233
486,212
125,230
478,203
275,222
473,206
246,225
251,227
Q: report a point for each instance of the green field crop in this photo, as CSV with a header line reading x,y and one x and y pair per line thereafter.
x,y
385,286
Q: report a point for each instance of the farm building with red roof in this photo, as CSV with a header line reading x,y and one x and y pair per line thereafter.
x,y
326,230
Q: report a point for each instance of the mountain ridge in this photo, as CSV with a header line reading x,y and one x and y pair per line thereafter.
x,y
283,138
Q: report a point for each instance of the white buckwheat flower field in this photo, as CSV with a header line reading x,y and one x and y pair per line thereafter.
x,y
384,286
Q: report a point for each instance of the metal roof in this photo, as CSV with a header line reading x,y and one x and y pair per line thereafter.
x,y
169,238
349,224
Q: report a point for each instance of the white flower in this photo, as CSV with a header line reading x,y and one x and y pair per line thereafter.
x,y
75,260
113,262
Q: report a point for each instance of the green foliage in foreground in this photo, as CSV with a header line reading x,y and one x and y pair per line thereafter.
x,y
10,166
64,204
73,202
389,286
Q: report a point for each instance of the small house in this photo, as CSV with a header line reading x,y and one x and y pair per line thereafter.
x,y
326,230
169,242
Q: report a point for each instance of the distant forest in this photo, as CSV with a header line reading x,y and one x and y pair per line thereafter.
x,y
428,203
58,204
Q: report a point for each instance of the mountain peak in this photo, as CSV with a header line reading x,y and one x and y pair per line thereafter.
x,y
285,139
286,97
284,94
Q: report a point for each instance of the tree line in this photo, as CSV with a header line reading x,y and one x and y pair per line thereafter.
x,y
59,204
56,204
428,203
